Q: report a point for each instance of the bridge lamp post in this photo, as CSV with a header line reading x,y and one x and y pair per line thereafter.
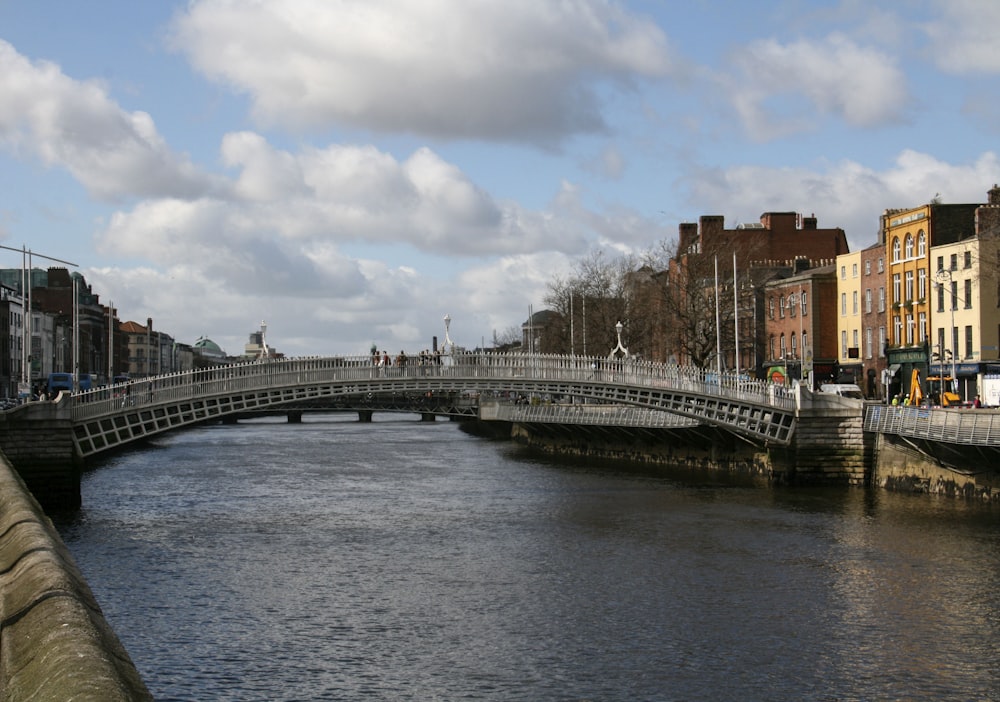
x,y
447,338
624,351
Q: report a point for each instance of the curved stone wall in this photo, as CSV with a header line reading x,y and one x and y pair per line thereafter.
x,y
54,641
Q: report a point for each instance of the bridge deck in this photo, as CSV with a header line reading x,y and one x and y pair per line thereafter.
x,y
109,417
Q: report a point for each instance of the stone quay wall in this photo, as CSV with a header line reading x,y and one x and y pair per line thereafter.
x,y
37,438
54,641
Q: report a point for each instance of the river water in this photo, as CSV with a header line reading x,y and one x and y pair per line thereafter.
x,y
400,560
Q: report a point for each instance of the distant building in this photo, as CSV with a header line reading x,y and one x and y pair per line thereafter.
x,y
208,353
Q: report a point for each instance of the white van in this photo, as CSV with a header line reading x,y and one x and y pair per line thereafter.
x,y
843,389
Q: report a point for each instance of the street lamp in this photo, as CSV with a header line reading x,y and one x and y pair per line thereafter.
x,y
618,330
447,338
944,276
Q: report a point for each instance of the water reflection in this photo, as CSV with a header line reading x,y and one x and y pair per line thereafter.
x,y
400,560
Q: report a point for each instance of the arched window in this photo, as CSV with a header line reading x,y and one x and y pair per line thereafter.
x,y
921,244
909,246
782,345
770,310
895,248
781,307
795,346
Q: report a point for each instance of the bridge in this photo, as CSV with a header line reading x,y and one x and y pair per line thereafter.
x,y
108,418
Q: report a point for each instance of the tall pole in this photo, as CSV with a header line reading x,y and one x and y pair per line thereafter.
x,y
718,326
736,316
25,378
111,341
572,339
76,336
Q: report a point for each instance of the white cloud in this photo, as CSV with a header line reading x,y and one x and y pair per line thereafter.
x,y
846,194
518,70
964,36
74,125
779,88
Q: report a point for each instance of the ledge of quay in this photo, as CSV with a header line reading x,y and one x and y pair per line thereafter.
x,y
54,641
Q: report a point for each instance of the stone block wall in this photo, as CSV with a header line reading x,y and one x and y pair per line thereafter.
x,y
54,641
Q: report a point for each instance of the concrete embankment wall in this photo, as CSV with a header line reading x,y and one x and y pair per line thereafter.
x,y
902,467
54,641
37,438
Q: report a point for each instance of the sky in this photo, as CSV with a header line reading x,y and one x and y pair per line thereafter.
x,y
352,171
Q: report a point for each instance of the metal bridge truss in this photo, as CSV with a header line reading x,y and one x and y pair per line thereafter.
x,y
110,417
965,440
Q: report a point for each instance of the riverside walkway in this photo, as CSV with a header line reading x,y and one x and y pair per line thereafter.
x,y
108,418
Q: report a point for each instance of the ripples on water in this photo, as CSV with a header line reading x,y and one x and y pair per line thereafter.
x,y
333,560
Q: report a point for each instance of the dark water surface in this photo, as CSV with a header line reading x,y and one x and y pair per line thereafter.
x,y
399,560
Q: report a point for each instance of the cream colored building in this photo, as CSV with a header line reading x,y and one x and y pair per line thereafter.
x,y
849,309
965,318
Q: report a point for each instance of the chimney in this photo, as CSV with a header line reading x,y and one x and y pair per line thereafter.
x,y
687,233
149,323
809,222
993,195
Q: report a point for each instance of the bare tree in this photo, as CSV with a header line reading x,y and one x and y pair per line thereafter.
x,y
591,301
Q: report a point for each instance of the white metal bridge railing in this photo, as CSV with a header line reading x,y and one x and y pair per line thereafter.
x,y
954,426
546,369
581,414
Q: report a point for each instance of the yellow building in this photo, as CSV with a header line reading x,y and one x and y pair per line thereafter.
x,y
909,235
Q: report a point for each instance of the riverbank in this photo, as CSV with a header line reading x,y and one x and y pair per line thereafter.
x,y
54,641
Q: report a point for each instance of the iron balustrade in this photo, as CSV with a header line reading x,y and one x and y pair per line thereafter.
x,y
976,427
464,369
582,414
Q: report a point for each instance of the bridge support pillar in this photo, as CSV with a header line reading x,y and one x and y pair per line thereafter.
x,y
295,417
37,439
365,415
428,417
829,441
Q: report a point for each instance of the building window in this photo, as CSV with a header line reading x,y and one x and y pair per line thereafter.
x,y
896,289
922,330
895,249
954,294
968,294
940,344
843,304
968,259
854,303
795,348
854,270
954,340
921,244
782,345
843,272
909,330
854,338
881,342
953,261
881,265
940,300
968,342
868,342
770,311
909,286
881,299
843,344
771,345
922,284
781,307
940,265
791,305
868,301
804,298
868,267
909,246
805,344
